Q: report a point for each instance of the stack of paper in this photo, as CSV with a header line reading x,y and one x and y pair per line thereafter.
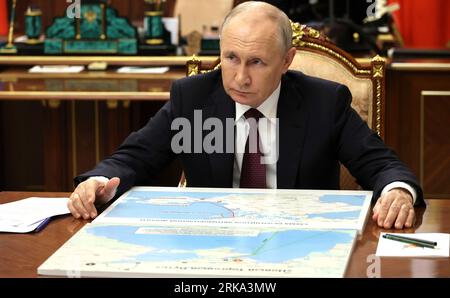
x,y
30,214
137,69
56,69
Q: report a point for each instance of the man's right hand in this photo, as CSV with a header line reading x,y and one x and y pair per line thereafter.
x,y
90,192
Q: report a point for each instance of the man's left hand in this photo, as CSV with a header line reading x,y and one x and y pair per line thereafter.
x,y
394,207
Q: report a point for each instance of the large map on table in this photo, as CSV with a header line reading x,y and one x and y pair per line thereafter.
x,y
292,208
180,232
131,251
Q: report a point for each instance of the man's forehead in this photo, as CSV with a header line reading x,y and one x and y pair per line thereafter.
x,y
254,48
247,41
248,36
250,24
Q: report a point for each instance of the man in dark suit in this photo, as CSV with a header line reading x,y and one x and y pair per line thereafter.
x,y
309,125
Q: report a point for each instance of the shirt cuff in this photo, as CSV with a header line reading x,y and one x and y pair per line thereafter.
x,y
101,179
398,184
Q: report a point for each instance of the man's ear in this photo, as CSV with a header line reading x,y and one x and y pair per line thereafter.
x,y
288,58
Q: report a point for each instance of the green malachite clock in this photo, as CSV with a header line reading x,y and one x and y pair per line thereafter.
x,y
98,31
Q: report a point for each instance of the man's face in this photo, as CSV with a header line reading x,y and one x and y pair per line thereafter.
x,y
251,60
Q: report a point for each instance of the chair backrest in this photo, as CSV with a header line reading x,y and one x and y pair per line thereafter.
x,y
318,56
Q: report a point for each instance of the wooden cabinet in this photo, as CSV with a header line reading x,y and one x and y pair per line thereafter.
x,y
418,121
55,126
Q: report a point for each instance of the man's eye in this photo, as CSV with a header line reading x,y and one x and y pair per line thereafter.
x,y
256,61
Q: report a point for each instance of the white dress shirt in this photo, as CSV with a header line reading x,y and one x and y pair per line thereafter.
x,y
267,137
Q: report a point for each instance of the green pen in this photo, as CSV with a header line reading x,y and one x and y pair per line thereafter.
x,y
418,242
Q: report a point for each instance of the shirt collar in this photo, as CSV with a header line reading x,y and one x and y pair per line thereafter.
x,y
268,108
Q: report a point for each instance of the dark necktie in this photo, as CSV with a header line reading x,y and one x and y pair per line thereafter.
x,y
253,172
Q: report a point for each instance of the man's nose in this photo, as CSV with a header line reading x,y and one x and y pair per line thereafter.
x,y
242,76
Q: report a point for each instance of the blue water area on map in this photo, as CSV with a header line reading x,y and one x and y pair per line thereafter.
x,y
265,247
174,194
196,210
336,215
140,207
354,200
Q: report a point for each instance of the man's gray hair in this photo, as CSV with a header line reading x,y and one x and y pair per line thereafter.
x,y
273,13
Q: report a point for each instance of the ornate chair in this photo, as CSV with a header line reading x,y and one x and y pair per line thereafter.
x,y
318,56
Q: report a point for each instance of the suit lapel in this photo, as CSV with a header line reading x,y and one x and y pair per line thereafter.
x,y
293,120
221,107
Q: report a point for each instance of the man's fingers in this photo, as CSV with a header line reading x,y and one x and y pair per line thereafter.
x,y
83,199
111,186
410,219
72,208
402,216
394,209
88,199
376,208
109,190
79,206
393,213
383,210
88,204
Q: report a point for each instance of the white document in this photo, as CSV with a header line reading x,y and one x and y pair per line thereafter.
x,y
56,69
14,227
134,69
26,215
393,248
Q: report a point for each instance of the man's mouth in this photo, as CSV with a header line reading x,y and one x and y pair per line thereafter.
x,y
241,92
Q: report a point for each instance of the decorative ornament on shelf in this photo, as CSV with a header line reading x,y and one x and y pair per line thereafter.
x,y
33,25
153,24
98,30
10,48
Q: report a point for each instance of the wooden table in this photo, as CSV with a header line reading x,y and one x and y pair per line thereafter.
x,y
22,254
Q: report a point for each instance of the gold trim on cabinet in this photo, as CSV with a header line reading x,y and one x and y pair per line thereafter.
x,y
435,93
111,60
419,66
85,95
54,103
112,104
13,76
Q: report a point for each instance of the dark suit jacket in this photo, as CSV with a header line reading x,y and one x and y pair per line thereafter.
x,y
318,128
